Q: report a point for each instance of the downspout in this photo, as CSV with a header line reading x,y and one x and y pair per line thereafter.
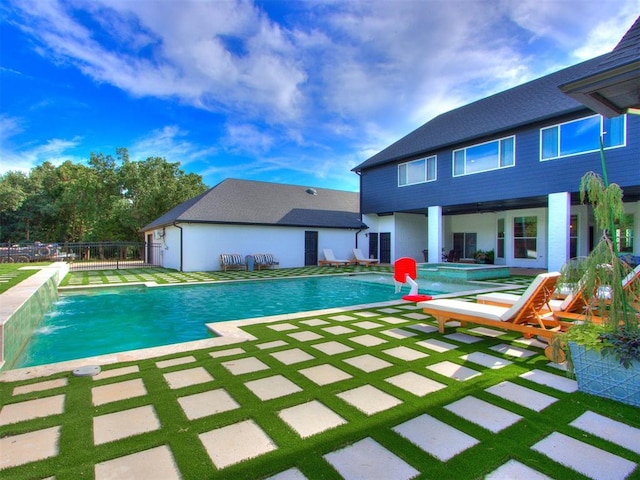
x,y
178,226
359,206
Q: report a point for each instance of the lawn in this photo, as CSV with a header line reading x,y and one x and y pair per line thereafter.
x,y
390,355
11,273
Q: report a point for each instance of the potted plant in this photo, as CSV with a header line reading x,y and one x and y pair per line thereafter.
x,y
481,256
604,351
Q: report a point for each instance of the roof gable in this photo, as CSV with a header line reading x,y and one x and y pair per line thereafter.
x,y
612,87
236,201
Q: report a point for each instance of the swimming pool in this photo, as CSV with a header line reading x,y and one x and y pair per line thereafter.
x,y
99,321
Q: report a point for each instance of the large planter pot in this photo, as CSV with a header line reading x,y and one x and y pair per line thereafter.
x,y
604,376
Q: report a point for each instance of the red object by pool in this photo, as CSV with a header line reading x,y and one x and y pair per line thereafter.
x,y
403,267
417,298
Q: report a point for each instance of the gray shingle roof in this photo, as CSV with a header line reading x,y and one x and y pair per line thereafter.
x,y
248,202
612,86
534,101
627,50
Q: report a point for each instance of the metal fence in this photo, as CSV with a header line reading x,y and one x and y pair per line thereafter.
x,y
86,255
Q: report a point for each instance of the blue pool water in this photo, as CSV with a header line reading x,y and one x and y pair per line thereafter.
x,y
107,320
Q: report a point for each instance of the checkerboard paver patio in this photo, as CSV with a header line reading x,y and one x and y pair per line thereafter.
x,y
210,389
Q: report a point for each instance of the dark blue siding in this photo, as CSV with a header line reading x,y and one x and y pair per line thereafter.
x,y
528,178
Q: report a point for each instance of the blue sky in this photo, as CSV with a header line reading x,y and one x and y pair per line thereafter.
x,y
294,92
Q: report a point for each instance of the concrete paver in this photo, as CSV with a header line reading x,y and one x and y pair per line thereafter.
x,y
125,423
235,443
541,377
291,474
485,360
30,409
175,361
324,374
245,365
40,386
405,353
482,413
292,356
435,437
116,372
207,403
305,336
367,459
332,347
118,391
512,351
311,418
514,470
229,352
272,387
416,384
367,340
369,399
524,396
453,370
29,447
338,330
153,463
436,345
615,432
593,462
269,345
367,363
188,377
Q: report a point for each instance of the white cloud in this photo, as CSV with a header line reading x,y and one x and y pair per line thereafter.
x,y
171,143
247,138
355,73
185,50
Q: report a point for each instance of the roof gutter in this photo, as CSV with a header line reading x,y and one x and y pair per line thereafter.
x,y
175,224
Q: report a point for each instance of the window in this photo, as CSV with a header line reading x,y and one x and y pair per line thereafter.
x,y
417,171
500,245
573,237
465,243
582,136
525,237
484,157
624,234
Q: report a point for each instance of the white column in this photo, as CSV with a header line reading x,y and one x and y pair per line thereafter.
x,y
435,235
558,235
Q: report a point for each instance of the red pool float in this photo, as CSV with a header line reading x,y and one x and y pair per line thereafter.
x,y
417,298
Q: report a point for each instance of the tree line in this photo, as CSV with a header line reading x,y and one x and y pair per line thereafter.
x,y
107,199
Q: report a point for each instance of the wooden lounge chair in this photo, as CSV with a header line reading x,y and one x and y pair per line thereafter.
x,y
574,302
360,259
330,259
233,261
530,315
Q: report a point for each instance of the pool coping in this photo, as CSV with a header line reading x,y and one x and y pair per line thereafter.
x,y
229,332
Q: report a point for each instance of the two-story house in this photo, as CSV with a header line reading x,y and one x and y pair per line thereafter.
x,y
503,173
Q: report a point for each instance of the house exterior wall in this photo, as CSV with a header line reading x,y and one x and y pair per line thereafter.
x,y
528,178
203,244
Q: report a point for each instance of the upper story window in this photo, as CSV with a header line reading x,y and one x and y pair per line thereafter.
x,y
484,156
582,136
417,171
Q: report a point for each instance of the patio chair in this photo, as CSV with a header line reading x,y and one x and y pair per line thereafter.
x,y
574,302
330,259
360,259
233,261
265,260
530,315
